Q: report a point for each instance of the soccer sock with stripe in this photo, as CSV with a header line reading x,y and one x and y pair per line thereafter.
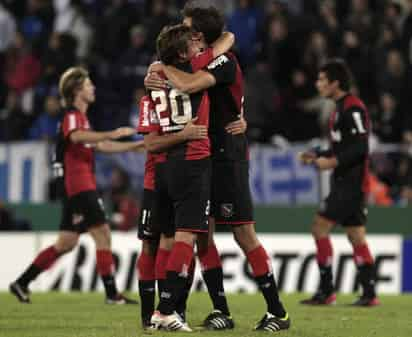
x,y
213,276
177,272
366,269
324,256
44,260
162,257
182,301
145,266
262,272
105,268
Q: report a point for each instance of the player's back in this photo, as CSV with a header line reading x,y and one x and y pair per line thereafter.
x,y
349,133
226,105
174,110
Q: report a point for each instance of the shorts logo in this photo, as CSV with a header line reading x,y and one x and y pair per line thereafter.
x,y
77,218
226,210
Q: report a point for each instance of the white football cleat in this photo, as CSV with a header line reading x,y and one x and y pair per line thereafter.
x,y
171,322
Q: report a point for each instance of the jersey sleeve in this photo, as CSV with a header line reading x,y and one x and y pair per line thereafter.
x,y
148,121
356,128
202,60
223,69
72,122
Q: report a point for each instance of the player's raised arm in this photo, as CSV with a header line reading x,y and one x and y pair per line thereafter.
x,y
223,44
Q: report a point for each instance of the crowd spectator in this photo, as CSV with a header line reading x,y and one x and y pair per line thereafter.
x,y
280,45
45,126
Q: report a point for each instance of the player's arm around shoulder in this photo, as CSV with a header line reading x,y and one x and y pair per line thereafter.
x,y
223,44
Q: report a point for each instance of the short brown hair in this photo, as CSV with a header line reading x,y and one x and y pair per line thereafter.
x,y
172,42
70,82
206,20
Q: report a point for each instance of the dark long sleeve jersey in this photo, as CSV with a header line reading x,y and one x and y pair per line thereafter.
x,y
349,127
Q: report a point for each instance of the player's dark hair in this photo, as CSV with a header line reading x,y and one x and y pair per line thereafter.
x,y
70,82
337,70
172,42
208,21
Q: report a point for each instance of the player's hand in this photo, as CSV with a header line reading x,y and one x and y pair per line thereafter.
x,y
139,146
307,157
237,127
323,163
153,81
193,131
155,67
122,132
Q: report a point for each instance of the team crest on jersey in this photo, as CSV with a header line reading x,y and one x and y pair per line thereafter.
x,y
77,218
226,210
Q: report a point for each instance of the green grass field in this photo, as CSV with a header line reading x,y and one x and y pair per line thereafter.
x,y
84,315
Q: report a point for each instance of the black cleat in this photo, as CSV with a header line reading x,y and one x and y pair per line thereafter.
x,y
321,298
365,301
22,293
147,325
120,299
272,323
217,320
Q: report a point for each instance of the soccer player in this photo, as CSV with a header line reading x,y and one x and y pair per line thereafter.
x,y
349,128
83,209
182,175
146,263
231,199
151,264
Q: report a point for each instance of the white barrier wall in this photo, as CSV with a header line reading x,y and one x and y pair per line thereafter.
x,y
292,258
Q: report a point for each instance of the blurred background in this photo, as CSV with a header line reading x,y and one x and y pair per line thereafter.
x,y
280,45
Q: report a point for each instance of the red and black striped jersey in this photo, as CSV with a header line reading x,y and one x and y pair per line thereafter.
x,y
74,161
226,105
174,109
349,128
148,123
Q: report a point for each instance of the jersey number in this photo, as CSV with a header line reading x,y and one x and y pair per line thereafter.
x,y
358,122
180,106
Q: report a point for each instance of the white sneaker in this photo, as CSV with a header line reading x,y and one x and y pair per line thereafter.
x,y
171,322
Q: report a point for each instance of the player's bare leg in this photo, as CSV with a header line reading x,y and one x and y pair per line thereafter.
x,y
145,266
365,264
276,317
220,318
325,295
65,242
105,264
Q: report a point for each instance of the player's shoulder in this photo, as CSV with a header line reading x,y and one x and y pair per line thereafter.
x,y
220,61
352,102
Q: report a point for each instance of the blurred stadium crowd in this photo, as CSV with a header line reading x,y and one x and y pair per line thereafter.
x,y
280,44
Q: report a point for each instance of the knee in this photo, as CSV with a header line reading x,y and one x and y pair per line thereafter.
x,y
320,228
102,236
66,245
356,238
246,238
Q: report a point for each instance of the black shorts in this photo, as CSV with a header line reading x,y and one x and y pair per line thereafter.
x,y
182,196
144,226
82,211
231,197
345,207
